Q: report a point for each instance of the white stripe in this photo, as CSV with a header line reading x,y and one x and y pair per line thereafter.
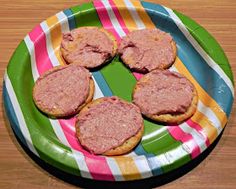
x,y
184,127
200,50
62,18
130,154
141,163
172,156
19,114
210,115
78,156
196,136
110,161
97,93
50,50
59,132
207,111
116,172
30,47
113,19
201,107
134,14
173,69
154,133
80,160
61,136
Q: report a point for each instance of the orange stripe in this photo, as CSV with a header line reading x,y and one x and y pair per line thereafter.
x,y
198,117
125,14
127,164
142,14
203,95
128,168
56,36
209,130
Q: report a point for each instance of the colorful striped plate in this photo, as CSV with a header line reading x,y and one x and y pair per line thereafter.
x,y
163,148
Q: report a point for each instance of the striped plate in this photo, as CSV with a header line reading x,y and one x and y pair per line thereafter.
x,y
163,148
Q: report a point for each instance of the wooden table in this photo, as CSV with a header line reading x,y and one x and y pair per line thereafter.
x,y
17,18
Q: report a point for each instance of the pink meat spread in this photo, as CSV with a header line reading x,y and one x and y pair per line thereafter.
x,y
163,92
108,124
63,89
146,50
89,47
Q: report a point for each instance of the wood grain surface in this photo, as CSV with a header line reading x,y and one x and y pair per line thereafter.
x,y
17,18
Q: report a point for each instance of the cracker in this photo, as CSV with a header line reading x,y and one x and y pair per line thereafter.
x,y
56,113
64,52
171,118
126,147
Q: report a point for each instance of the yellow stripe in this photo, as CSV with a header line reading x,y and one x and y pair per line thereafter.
x,y
125,14
126,164
198,117
142,14
128,168
56,36
209,130
203,95
205,98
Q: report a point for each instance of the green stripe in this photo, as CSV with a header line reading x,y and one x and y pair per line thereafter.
x,y
86,15
123,87
162,143
121,82
208,43
41,132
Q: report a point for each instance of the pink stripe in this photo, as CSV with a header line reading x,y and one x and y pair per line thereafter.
x,y
107,24
97,165
185,138
197,127
43,61
125,29
104,18
118,16
69,125
178,134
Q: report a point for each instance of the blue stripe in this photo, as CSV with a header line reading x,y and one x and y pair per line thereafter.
x,y
102,83
96,74
152,162
11,115
155,167
209,80
70,18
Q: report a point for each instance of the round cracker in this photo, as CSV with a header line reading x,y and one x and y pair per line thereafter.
x,y
126,147
172,118
109,35
56,113
130,61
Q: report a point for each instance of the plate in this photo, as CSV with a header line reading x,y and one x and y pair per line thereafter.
x,y
163,148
